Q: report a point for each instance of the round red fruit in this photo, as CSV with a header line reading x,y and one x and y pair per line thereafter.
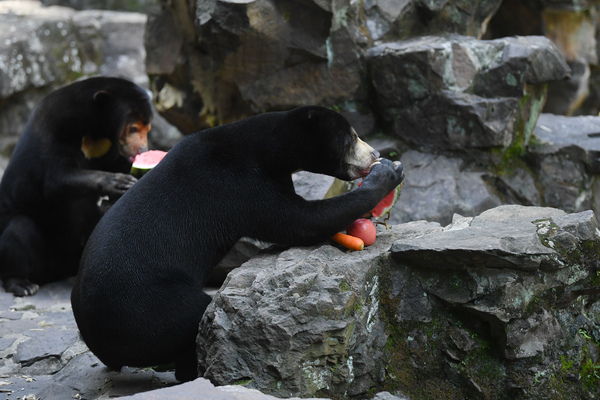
x,y
364,229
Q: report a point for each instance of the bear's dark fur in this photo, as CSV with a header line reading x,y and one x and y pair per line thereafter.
x,y
138,297
77,146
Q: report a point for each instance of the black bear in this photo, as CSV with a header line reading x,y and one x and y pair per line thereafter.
x,y
78,145
138,295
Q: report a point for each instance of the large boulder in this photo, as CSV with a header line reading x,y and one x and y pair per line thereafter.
x,y
457,93
503,305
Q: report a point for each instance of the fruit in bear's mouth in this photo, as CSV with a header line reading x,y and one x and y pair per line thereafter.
x,y
364,229
145,161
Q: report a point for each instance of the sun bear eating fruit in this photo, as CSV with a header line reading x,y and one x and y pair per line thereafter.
x,y
138,297
77,146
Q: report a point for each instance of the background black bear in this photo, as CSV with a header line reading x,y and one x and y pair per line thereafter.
x,y
77,146
140,305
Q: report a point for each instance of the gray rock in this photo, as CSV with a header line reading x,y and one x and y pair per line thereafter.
x,y
389,396
312,186
576,138
504,237
254,56
135,6
5,343
566,158
437,186
47,343
313,328
41,355
481,308
202,389
465,93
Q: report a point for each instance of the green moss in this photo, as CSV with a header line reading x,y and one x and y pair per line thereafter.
x,y
546,228
566,365
344,286
530,107
590,375
595,279
356,308
482,365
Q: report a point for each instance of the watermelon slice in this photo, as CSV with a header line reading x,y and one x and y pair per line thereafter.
x,y
386,204
145,161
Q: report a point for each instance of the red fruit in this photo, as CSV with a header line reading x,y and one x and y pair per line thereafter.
x,y
364,229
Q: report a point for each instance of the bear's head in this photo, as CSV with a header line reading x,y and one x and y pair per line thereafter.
x,y
335,147
119,119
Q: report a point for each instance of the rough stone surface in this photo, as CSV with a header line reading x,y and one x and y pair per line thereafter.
x,y
41,353
234,58
566,158
573,27
502,305
202,389
120,5
437,186
301,322
460,93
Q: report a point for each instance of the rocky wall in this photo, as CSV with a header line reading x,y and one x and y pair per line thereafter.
x,y
445,79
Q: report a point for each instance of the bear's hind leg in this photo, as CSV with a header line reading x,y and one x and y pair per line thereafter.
x,y
186,362
21,259
186,366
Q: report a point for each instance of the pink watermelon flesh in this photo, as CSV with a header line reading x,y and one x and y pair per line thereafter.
x,y
148,159
386,204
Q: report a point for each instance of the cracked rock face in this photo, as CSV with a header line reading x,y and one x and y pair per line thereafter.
x,y
231,58
456,93
499,305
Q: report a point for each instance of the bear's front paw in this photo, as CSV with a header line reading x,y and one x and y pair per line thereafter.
x,y
21,287
117,184
399,168
385,173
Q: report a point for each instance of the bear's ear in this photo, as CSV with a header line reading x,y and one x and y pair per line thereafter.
x,y
102,97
